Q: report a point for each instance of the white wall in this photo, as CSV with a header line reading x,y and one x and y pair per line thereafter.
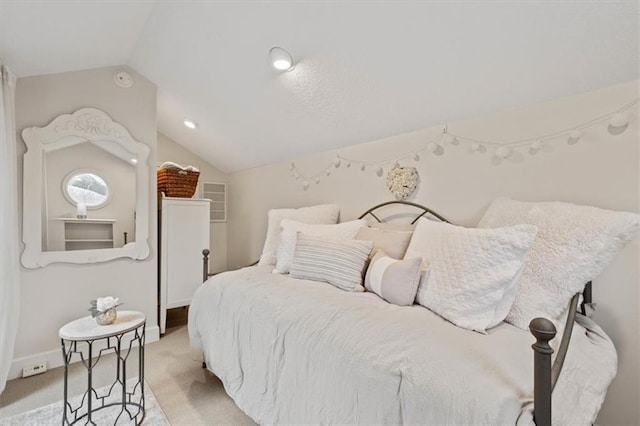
x,y
169,150
600,170
58,293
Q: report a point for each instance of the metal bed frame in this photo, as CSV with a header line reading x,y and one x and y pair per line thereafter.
x,y
545,373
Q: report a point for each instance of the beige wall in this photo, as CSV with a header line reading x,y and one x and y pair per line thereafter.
x,y
601,170
58,293
169,150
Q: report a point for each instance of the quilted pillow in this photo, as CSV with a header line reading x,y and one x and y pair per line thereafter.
x,y
339,263
394,243
289,233
396,281
574,244
324,213
473,274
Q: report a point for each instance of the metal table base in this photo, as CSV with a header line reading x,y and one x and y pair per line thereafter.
x,y
128,396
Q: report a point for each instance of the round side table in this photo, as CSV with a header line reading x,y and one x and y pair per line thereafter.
x,y
88,339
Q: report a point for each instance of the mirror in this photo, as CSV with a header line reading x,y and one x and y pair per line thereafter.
x,y
86,185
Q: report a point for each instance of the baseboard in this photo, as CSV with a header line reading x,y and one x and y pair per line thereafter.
x,y
53,358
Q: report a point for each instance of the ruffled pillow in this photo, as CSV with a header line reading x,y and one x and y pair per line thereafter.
x,y
574,244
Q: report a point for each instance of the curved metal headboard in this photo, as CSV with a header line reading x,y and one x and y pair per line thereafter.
x,y
425,211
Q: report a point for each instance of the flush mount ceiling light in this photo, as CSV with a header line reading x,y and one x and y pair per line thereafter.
x,y
190,123
281,59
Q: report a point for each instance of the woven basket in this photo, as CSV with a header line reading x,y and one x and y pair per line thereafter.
x,y
177,183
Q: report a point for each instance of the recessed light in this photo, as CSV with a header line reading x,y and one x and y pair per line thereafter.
x,y
281,59
134,160
190,123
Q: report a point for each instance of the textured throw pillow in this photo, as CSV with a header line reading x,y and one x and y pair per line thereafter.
x,y
396,281
324,213
339,263
574,244
289,232
393,243
473,273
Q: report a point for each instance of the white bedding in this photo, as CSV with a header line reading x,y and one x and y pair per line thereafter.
x,y
294,351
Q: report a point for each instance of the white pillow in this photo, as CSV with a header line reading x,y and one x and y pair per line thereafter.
x,y
324,213
473,272
573,246
289,232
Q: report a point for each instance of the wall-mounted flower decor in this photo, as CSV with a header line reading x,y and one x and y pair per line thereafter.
x,y
402,181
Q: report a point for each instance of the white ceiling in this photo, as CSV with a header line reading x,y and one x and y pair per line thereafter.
x,y
364,70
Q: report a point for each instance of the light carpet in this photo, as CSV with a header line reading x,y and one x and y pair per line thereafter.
x,y
187,393
52,414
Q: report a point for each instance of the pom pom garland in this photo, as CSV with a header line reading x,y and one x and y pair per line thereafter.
x,y
617,123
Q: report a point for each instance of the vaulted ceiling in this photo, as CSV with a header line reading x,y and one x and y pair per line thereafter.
x,y
363,70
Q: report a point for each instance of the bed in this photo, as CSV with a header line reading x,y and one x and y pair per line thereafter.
x,y
292,351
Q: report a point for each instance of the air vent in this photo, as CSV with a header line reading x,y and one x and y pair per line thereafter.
x,y
217,193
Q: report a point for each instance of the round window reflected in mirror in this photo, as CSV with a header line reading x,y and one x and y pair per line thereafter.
x,y
86,187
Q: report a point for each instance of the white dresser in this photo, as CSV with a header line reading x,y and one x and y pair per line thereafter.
x,y
184,233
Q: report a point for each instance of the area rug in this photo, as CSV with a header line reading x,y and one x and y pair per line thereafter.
x,y
52,414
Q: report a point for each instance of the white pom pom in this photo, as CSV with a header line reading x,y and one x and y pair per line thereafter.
x,y
363,167
433,146
336,162
328,172
450,139
503,152
536,145
305,184
416,157
475,146
348,163
574,137
619,120
317,180
378,169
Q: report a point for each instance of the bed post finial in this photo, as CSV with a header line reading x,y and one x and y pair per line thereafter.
x,y
205,264
543,330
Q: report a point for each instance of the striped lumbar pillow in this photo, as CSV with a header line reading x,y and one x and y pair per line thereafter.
x,y
339,263
396,281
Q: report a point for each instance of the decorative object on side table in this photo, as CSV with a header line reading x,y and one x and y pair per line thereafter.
x,y
402,181
103,309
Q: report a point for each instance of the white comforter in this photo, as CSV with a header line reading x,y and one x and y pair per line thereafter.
x,y
294,351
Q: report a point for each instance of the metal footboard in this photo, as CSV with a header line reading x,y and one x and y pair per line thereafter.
x,y
545,374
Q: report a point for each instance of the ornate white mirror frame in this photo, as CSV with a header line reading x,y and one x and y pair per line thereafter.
x,y
85,125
